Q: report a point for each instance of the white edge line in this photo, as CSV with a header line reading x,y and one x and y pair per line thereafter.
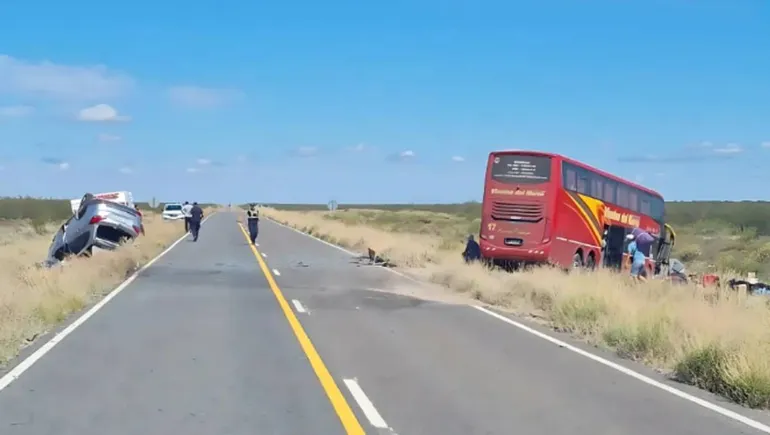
x,y
29,361
298,306
365,404
276,272
626,371
349,252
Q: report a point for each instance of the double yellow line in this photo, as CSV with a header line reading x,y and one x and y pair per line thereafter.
x,y
341,407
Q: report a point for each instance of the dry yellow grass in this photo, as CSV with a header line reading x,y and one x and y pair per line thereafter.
x,y
34,299
716,339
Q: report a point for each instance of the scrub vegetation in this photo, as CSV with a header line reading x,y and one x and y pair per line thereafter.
x,y
33,299
714,338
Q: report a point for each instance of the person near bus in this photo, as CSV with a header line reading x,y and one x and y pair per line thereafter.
x,y
196,217
252,219
644,240
637,259
186,213
472,250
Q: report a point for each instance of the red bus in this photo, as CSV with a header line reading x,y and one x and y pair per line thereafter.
x,y
542,207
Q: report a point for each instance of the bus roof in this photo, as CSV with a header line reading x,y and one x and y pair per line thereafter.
x,y
580,164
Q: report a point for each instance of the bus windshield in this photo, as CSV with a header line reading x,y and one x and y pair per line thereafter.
x,y
521,169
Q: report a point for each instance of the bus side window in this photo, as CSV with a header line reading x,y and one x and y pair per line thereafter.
x,y
658,211
645,206
622,199
597,187
570,180
609,192
582,185
633,200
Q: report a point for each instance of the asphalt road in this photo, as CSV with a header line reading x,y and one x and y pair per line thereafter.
x,y
209,340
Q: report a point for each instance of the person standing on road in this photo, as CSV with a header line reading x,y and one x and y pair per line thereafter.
x,y
252,218
196,217
186,213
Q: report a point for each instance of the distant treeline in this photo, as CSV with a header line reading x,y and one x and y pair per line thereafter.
x,y
741,214
44,209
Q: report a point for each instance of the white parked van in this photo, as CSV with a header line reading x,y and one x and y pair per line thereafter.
x,y
172,212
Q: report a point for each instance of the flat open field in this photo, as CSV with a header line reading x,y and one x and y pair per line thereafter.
x,y
718,340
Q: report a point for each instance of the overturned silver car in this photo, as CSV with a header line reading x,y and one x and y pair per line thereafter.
x,y
96,223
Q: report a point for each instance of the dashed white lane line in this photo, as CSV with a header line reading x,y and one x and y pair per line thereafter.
x,y
365,404
676,392
263,254
276,272
298,306
256,244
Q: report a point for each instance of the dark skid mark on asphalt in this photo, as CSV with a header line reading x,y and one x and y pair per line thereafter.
x,y
356,299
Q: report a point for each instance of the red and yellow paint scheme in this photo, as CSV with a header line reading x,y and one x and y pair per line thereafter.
x,y
535,222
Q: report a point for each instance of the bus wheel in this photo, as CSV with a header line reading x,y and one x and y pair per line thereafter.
x,y
577,261
591,263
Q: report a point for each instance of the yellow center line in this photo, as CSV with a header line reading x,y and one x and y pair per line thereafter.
x,y
341,407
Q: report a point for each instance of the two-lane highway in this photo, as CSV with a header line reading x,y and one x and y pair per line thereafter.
x,y
294,338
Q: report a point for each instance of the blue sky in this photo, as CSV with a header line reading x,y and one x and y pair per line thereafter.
x,y
399,101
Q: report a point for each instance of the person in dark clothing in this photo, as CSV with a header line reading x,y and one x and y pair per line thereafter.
x,y
196,216
472,250
252,218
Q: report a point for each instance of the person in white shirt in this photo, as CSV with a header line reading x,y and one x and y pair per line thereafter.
x,y
186,209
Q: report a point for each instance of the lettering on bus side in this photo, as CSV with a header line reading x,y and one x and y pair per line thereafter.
x,y
517,192
623,218
494,227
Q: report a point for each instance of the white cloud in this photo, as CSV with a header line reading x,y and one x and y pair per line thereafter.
x,y
126,170
730,148
106,137
360,147
101,113
402,156
202,98
458,158
63,166
16,111
765,144
50,80
191,170
203,162
307,151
